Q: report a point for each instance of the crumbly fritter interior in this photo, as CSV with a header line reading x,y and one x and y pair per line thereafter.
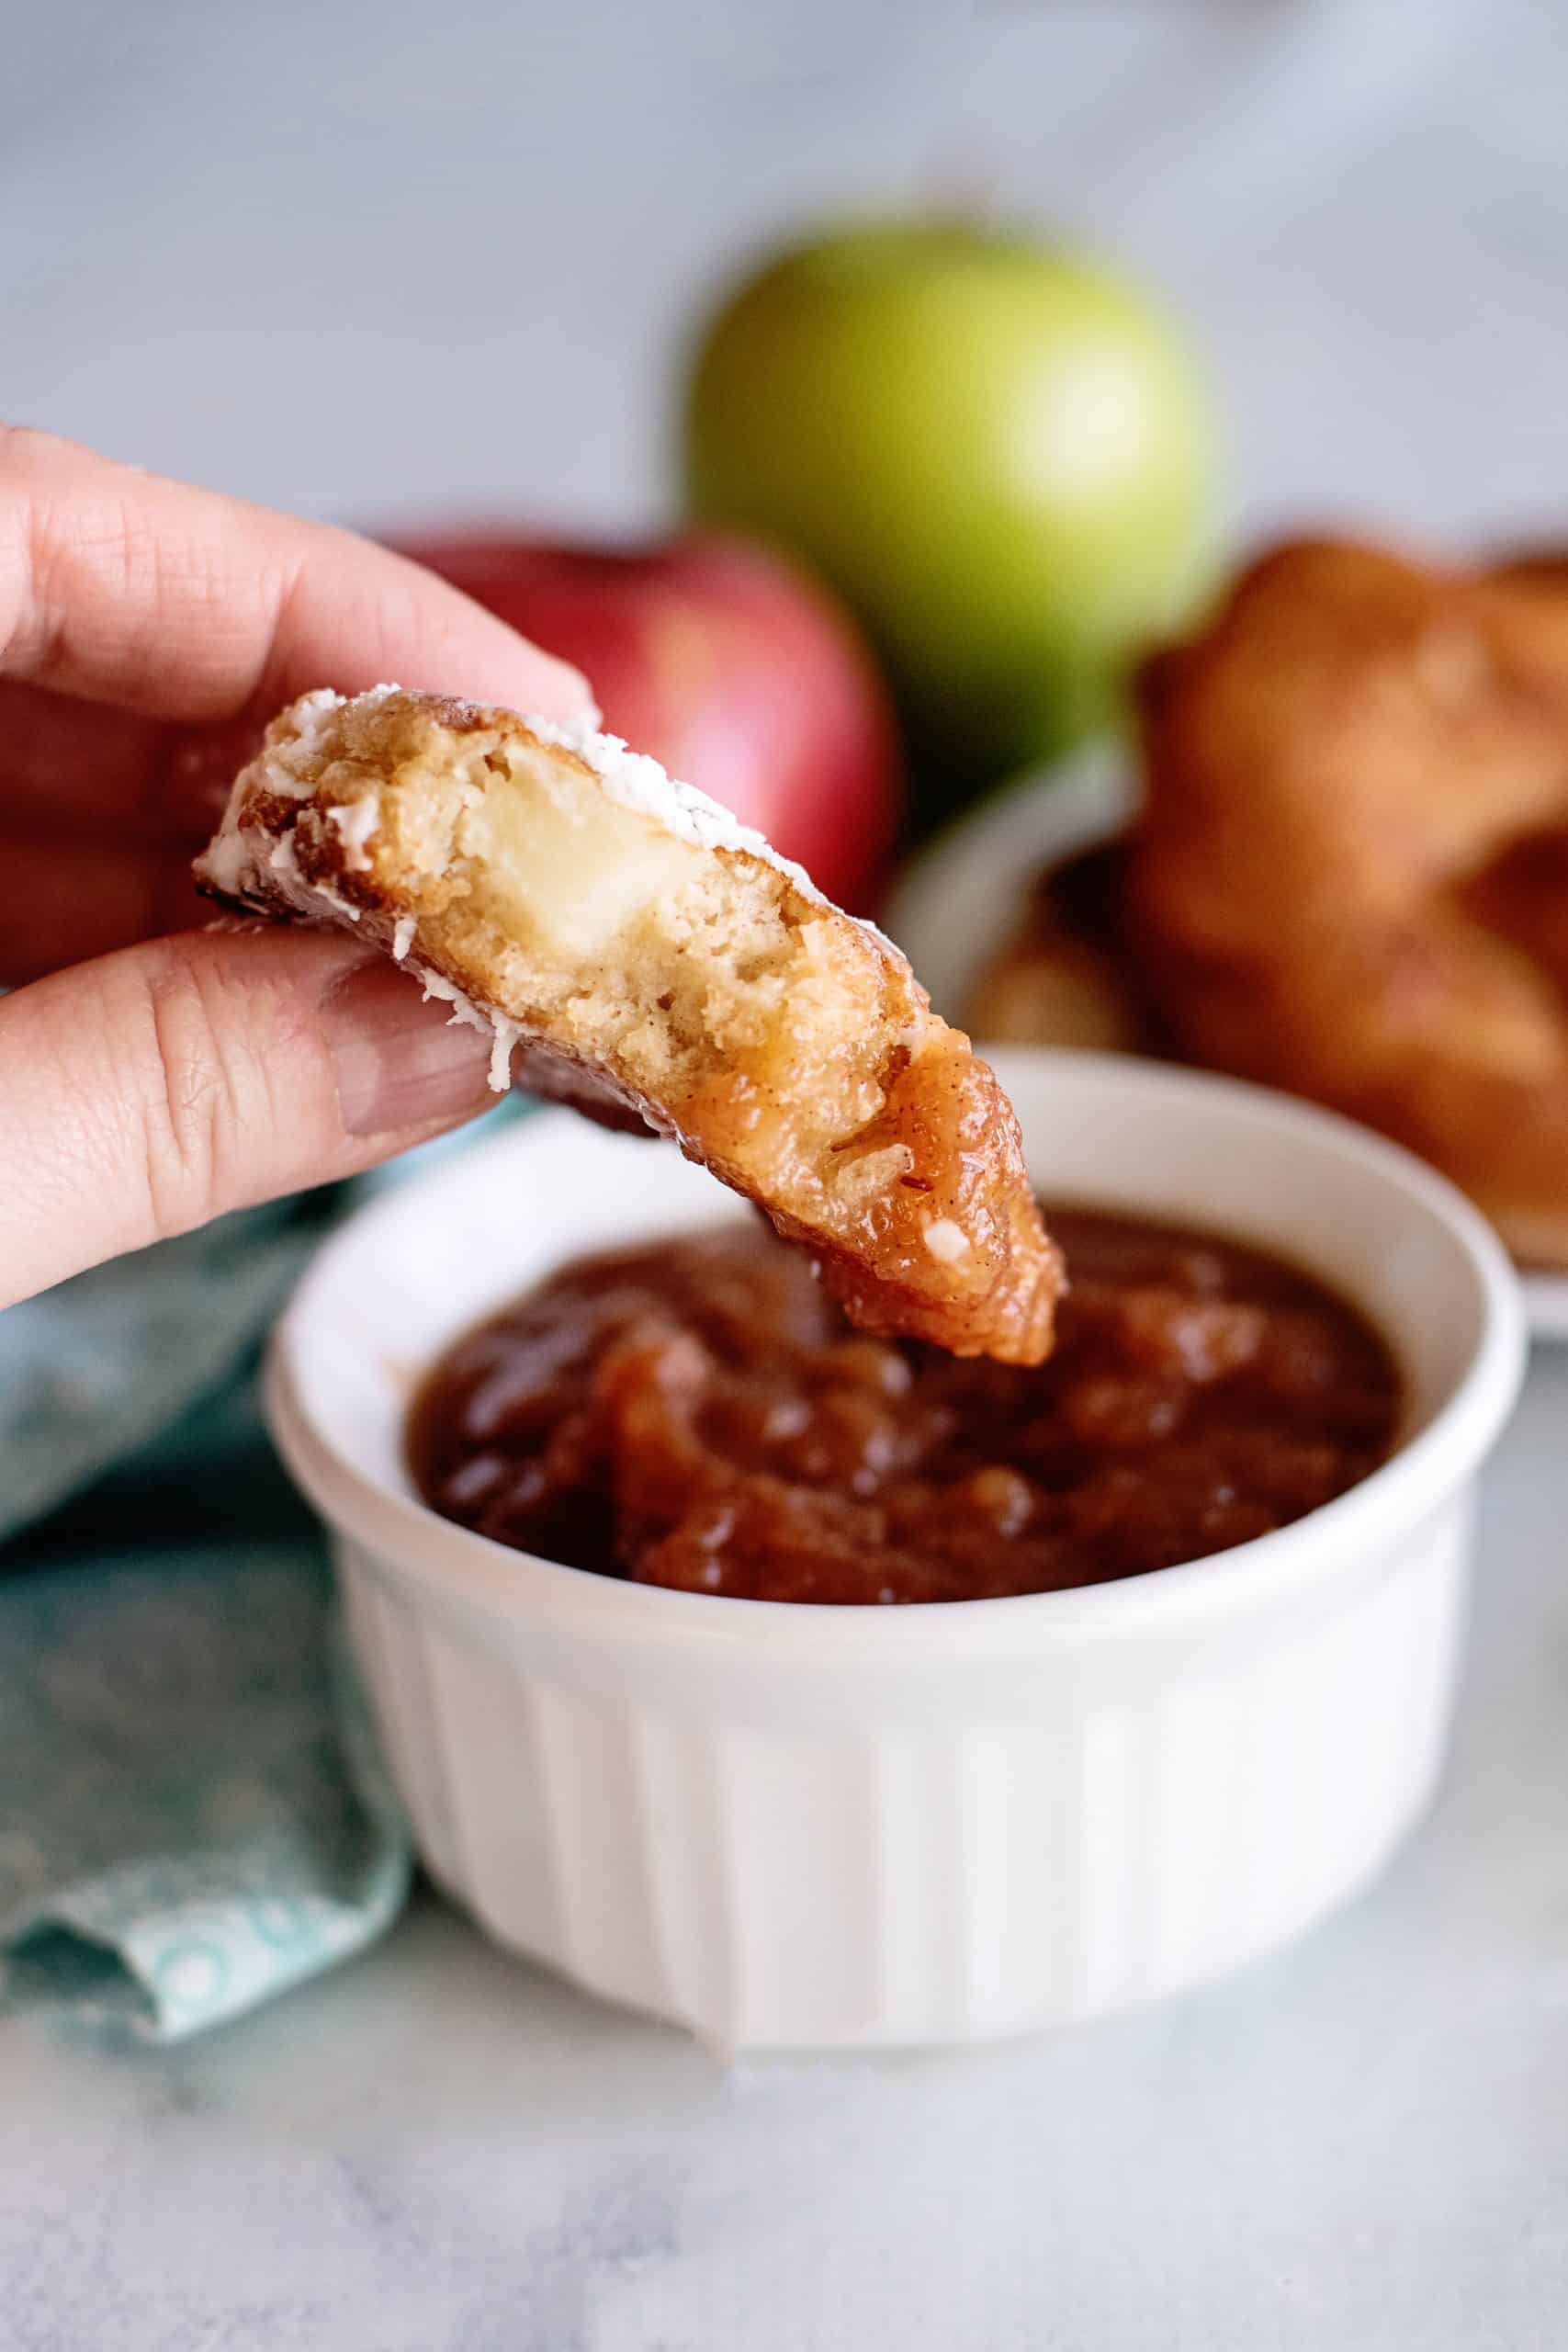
x,y
786,1045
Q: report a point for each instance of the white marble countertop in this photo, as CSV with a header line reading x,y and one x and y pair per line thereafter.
x,y
367,262
1362,2144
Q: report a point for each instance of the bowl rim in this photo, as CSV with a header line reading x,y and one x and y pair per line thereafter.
x,y
475,1573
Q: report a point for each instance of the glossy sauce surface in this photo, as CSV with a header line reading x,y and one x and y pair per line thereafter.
x,y
696,1414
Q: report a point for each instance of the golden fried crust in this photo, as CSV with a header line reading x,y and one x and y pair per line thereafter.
x,y
1352,876
638,953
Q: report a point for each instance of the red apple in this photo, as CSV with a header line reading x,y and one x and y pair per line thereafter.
x,y
728,664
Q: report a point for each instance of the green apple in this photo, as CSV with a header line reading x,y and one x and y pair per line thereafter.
x,y
999,454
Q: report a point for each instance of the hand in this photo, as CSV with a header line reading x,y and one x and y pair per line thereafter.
x,y
149,1082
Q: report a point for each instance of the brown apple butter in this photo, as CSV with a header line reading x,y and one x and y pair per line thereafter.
x,y
695,1413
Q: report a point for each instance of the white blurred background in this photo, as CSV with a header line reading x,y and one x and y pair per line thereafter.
x,y
381,262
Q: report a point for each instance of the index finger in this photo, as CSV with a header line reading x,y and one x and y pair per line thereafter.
x,y
177,605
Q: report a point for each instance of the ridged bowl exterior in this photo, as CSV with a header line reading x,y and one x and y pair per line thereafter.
x,y
787,1827
774,1874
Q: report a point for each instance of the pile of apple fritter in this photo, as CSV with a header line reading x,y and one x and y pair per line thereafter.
x,y
1349,876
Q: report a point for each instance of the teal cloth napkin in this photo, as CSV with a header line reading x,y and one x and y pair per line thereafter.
x,y
191,1804
97,1367
193,1814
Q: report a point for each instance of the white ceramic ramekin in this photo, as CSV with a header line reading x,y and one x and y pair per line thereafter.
x,y
806,1827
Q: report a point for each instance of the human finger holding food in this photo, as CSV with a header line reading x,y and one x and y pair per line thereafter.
x,y
152,1081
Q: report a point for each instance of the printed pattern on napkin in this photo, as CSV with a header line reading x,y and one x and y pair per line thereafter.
x,y
184,1829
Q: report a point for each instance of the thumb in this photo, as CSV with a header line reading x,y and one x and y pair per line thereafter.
x,y
149,1091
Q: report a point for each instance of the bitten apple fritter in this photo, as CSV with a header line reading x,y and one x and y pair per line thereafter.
x,y
629,943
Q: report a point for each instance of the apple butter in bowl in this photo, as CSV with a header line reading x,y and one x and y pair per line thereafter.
x,y
695,1413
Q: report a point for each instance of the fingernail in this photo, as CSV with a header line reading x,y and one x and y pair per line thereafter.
x,y
398,1061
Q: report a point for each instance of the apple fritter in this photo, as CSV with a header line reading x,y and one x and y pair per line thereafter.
x,y
1350,877
628,943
